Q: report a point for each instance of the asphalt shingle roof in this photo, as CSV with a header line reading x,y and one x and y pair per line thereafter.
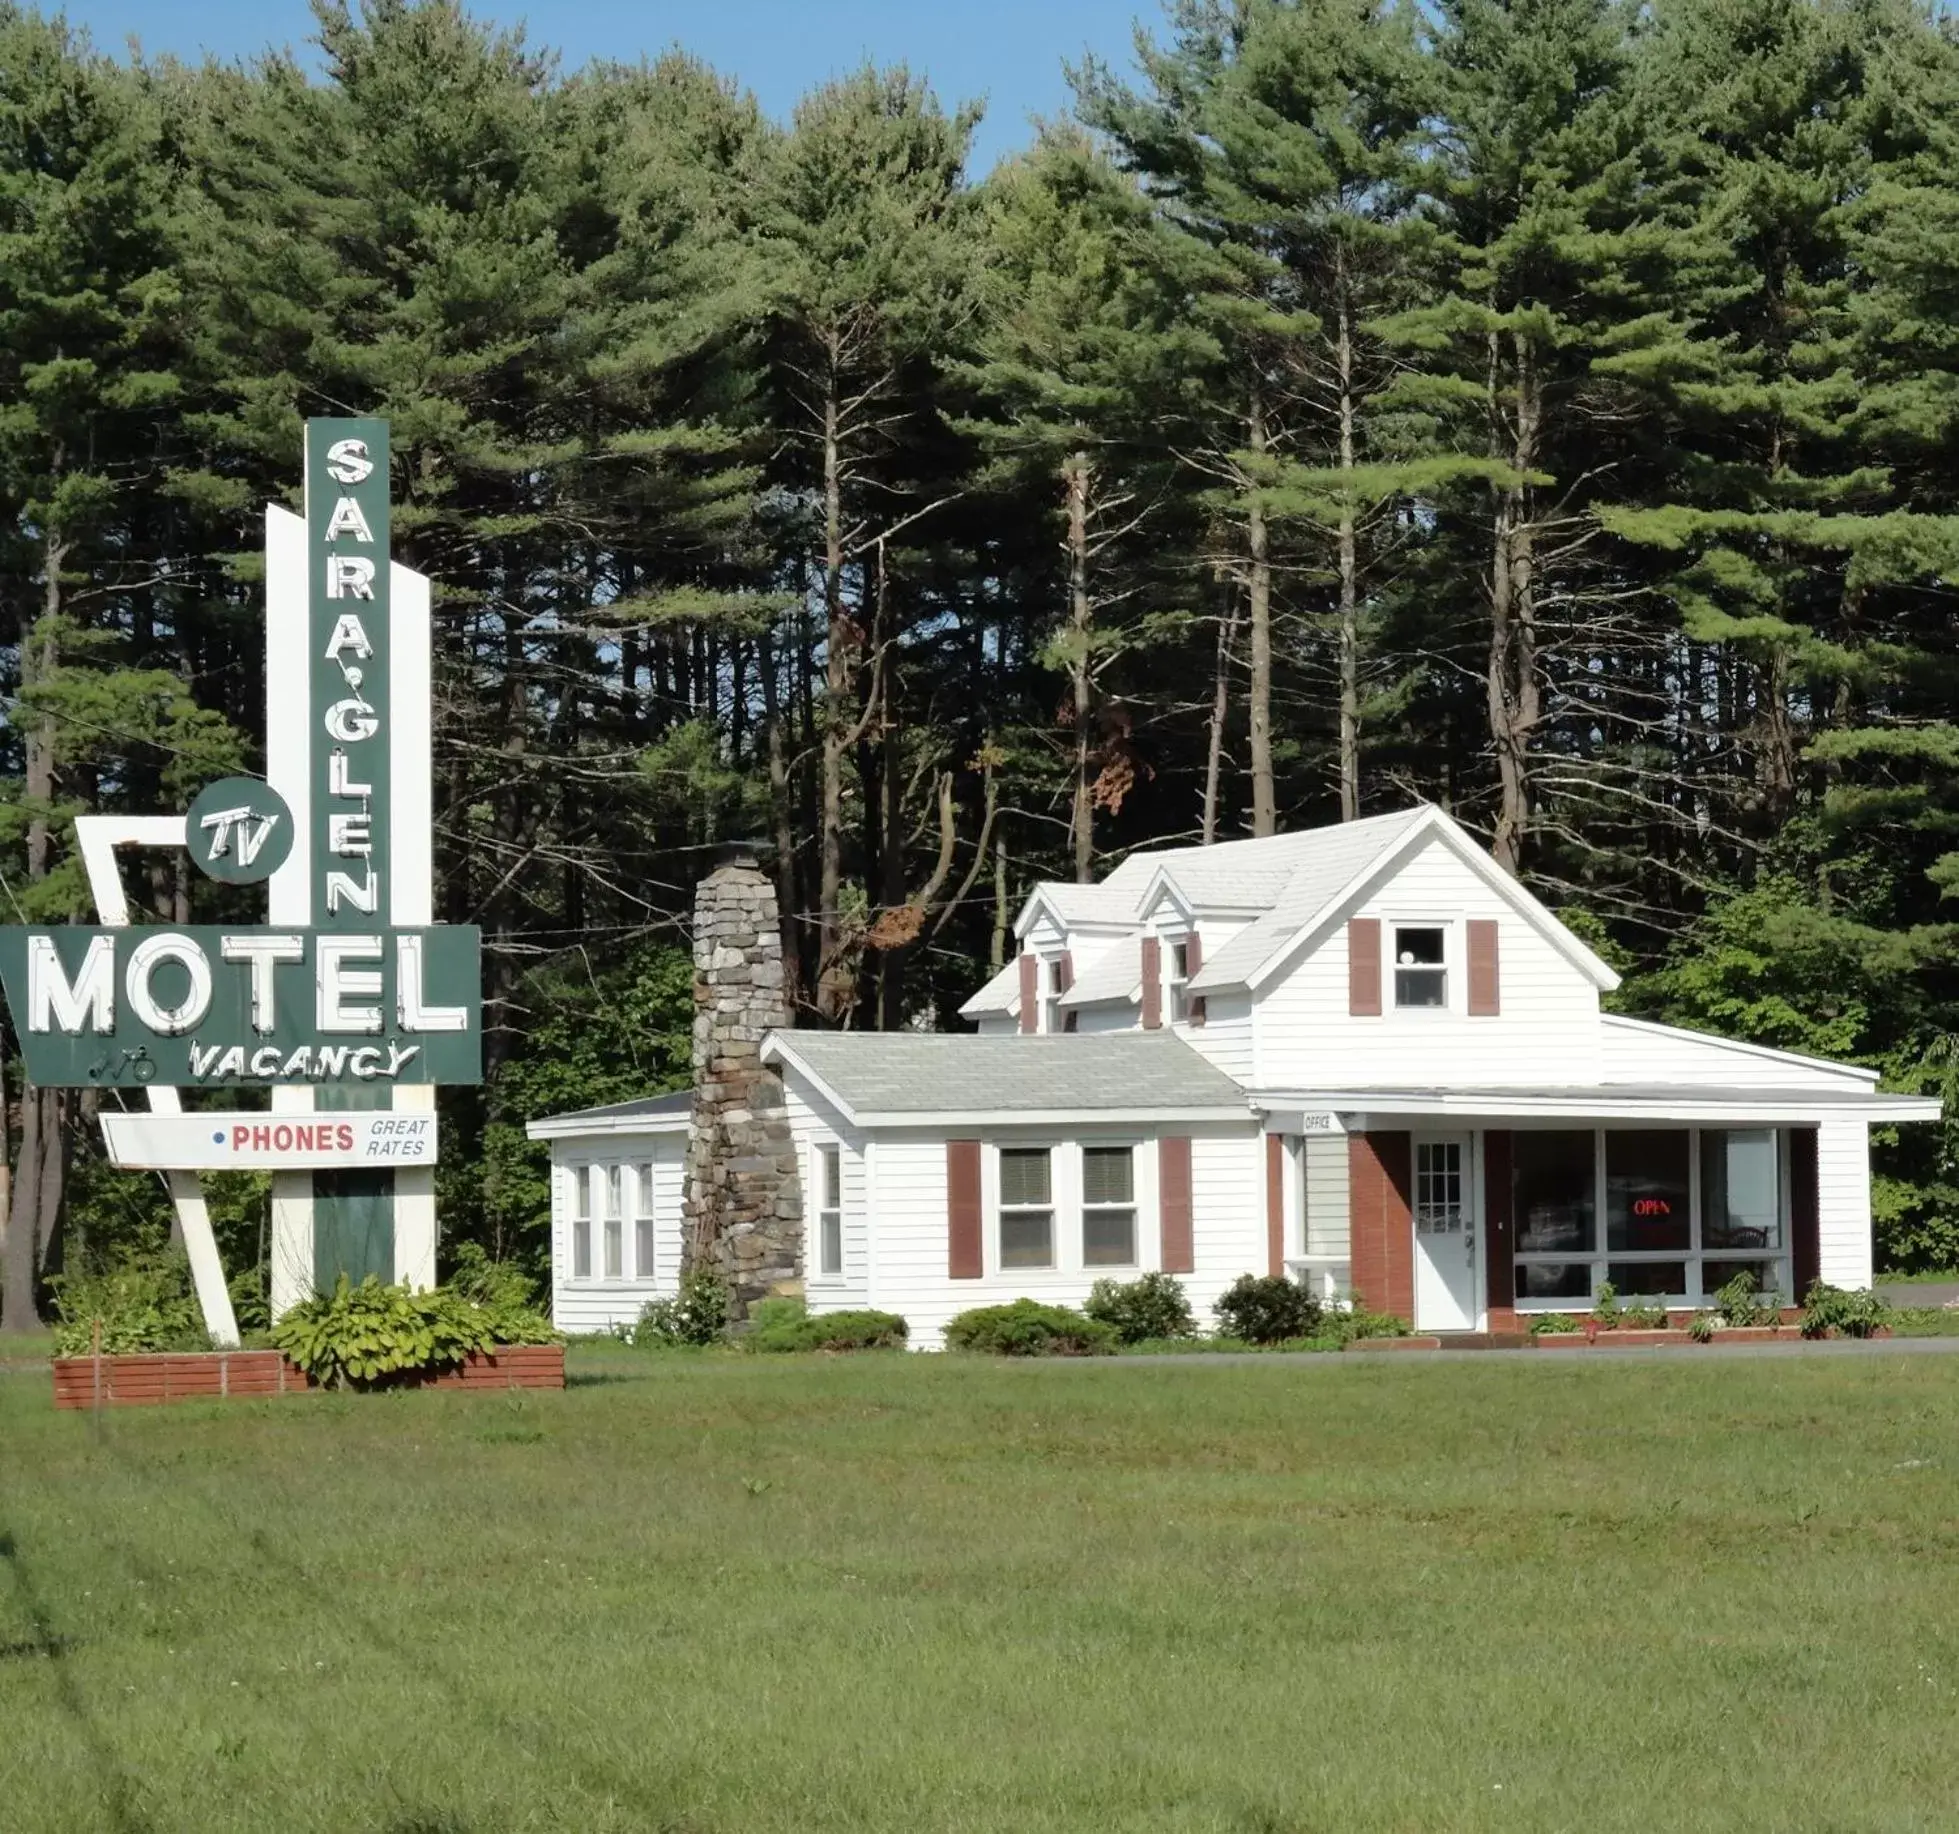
x,y
927,1072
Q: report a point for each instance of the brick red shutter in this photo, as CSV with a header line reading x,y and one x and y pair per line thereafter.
x,y
1485,991
1502,1230
1805,1224
1275,1204
1193,967
964,1259
1152,984
1364,967
1030,993
1173,1204
1379,1175
1064,971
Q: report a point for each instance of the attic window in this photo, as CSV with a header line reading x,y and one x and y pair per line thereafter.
x,y
1178,977
1420,971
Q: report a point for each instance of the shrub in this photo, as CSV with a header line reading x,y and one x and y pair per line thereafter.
x,y
778,1325
1637,1317
1154,1306
506,1294
1741,1303
1555,1322
1028,1328
1605,1308
1701,1326
1859,1313
697,1314
1358,1321
146,1303
359,1336
1267,1308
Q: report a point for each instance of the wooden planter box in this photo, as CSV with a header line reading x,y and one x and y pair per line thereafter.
x,y
1628,1340
1393,1343
211,1375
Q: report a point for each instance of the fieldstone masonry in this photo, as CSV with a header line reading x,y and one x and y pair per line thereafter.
x,y
744,1200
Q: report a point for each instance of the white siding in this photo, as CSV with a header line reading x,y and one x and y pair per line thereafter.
x,y
1634,1052
1225,1037
581,1307
814,1124
1328,1210
1548,1030
909,1200
1843,1202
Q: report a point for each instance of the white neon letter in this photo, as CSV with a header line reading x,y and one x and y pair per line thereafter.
x,y
263,952
144,960
56,1004
350,576
416,1014
335,983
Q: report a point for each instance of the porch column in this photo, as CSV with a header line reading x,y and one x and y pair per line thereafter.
x,y
1380,1178
1500,1235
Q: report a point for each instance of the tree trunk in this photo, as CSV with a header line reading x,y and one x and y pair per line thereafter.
x,y
1220,712
1002,918
1258,584
1078,476
1515,700
833,977
33,1249
1349,559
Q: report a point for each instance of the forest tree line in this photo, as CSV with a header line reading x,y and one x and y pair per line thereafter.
x,y
1546,408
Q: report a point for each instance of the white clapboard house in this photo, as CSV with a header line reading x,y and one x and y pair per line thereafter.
x,y
1362,1055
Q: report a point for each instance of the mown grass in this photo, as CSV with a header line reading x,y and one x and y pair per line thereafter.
x,y
764,1594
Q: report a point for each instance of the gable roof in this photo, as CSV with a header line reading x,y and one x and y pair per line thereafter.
x,y
921,1078
649,1114
1318,897
999,995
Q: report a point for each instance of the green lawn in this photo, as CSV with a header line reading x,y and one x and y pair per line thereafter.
x,y
698,1594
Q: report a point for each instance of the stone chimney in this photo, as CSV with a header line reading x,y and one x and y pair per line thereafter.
x,y
744,1200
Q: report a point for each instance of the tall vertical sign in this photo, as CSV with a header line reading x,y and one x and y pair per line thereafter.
x,y
348,599
348,642
350,1004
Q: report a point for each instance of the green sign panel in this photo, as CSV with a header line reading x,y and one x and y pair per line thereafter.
x,y
239,831
211,1007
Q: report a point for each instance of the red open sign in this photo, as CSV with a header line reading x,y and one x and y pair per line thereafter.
x,y
1651,1206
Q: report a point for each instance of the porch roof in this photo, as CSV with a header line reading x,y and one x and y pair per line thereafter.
x,y
1599,1102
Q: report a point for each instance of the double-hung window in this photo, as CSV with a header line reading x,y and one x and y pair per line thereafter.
x,y
581,1220
1108,1206
643,1265
1026,1206
829,1214
1421,971
615,1222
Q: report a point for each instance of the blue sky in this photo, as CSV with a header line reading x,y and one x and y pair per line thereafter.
x,y
1008,51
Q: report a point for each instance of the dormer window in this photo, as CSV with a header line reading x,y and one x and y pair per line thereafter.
x,y
1421,974
1178,977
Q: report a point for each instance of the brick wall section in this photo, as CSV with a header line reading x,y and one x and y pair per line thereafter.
x,y
1379,1169
1500,1231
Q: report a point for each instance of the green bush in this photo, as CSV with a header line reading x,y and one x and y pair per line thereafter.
x,y
1556,1322
1028,1328
1741,1302
697,1314
1859,1313
1154,1306
1358,1321
1267,1309
360,1336
786,1325
146,1303
504,1292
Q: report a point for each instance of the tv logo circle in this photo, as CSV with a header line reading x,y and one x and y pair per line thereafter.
x,y
239,830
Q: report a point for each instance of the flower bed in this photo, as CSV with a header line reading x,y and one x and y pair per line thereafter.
x,y
139,1381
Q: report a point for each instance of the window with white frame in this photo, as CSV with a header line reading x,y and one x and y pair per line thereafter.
x,y
643,1248
615,1222
1108,1206
1661,1213
829,1214
1051,992
1026,1206
1421,969
581,1221
1179,979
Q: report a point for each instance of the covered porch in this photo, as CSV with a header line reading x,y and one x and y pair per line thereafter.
x,y
1472,1211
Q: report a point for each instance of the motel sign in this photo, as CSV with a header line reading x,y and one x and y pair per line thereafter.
x,y
350,1003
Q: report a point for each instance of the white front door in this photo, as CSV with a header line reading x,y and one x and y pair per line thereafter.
x,y
1445,1234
